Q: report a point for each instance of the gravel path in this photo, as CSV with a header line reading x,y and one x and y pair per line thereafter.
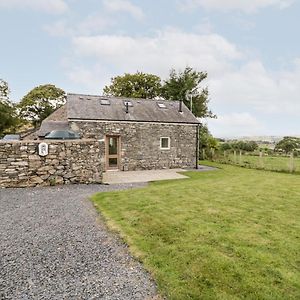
x,y
53,245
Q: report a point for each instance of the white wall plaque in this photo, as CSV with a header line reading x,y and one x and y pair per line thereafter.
x,y
43,149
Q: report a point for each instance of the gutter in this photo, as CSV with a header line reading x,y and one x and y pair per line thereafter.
x,y
129,121
197,145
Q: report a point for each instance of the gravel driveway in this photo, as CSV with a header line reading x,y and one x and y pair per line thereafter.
x,y
53,245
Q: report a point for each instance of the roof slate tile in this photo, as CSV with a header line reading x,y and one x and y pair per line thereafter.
x,y
88,107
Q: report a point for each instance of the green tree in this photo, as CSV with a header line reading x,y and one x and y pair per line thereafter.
x,y
186,85
251,146
183,85
225,146
248,146
207,141
4,91
8,119
138,85
40,102
288,144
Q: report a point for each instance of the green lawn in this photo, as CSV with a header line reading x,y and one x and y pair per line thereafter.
x,y
272,163
233,233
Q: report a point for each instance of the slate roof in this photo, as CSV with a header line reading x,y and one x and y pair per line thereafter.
x,y
58,115
58,120
48,126
89,107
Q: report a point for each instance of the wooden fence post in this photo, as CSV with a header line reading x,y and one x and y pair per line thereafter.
x,y
291,163
261,161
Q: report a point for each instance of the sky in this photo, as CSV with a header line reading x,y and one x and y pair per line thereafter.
x,y
250,49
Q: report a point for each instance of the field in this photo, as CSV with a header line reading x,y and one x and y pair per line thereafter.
x,y
232,233
271,163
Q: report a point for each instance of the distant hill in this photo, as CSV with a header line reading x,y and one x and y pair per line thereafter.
x,y
272,139
263,141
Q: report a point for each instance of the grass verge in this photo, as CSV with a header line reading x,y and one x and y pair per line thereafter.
x,y
228,234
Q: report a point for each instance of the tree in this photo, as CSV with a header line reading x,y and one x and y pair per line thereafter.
x,y
225,146
7,110
207,141
251,146
185,85
248,146
138,85
182,85
7,118
4,91
40,102
288,144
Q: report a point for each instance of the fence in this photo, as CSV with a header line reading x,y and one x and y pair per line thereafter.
x,y
258,160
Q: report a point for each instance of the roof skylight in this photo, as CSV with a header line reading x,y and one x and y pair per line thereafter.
x,y
161,105
129,103
104,102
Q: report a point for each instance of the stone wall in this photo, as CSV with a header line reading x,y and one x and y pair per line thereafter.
x,y
140,143
74,161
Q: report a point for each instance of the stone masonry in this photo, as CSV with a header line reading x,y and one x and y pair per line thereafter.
x,y
140,142
74,161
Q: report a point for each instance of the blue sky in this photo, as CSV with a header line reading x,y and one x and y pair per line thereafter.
x,y
250,49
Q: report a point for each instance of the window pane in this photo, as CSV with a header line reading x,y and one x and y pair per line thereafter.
x,y
161,105
128,102
104,102
113,162
164,143
113,145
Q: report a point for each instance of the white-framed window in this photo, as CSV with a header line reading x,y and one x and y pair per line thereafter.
x,y
164,143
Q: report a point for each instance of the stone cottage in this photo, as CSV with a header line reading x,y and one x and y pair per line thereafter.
x,y
138,134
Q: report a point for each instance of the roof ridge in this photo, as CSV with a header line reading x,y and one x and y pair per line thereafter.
x,y
120,97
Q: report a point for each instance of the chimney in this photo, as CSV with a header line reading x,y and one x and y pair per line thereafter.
x,y
180,106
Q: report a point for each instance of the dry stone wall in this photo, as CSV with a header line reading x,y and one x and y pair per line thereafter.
x,y
140,143
73,161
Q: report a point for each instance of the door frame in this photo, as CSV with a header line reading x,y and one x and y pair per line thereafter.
x,y
107,155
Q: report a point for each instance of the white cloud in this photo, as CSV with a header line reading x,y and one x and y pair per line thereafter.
x,y
49,6
94,23
167,49
59,29
247,6
204,27
237,82
84,76
89,80
253,87
235,124
124,6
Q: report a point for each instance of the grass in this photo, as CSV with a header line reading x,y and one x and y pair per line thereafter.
x,y
233,233
270,163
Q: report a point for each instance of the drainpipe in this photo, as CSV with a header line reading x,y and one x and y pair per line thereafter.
x,y
180,105
197,146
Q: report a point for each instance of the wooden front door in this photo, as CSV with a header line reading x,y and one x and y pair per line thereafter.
x,y
112,152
